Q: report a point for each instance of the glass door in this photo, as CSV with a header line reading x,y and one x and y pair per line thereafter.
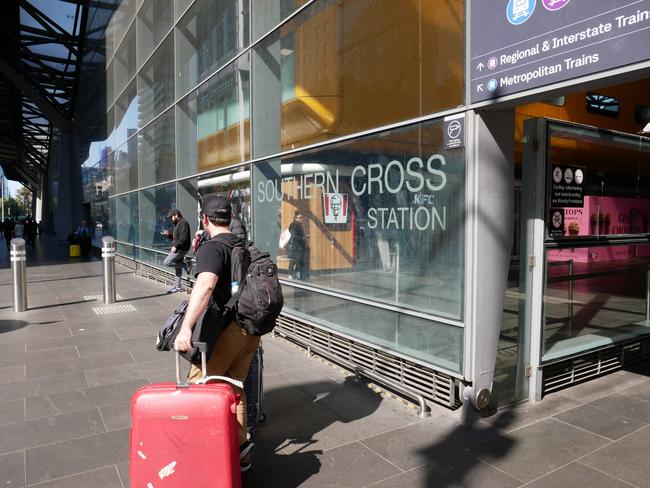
x,y
597,240
584,274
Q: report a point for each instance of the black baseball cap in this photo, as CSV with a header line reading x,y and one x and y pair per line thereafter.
x,y
217,207
173,211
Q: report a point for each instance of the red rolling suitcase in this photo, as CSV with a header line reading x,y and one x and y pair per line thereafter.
x,y
185,435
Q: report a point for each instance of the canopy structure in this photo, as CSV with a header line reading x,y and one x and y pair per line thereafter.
x,y
40,63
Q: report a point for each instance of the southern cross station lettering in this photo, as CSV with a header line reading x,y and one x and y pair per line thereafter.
x,y
415,176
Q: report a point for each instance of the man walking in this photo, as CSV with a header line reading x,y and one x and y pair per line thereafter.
x,y
234,349
180,245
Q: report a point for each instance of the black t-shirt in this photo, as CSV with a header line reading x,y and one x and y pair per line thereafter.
x,y
214,257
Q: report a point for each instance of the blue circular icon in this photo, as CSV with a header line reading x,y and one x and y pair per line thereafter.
x,y
519,11
492,84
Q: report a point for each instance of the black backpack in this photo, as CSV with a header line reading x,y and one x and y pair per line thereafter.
x,y
207,329
170,327
257,294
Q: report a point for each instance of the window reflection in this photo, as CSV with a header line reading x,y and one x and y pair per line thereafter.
x,y
124,62
154,20
127,218
208,36
155,203
210,131
235,186
595,296
156,82
341,67
382,217
156,157
588,196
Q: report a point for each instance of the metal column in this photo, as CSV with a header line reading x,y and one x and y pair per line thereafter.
x,y
18,257
108,268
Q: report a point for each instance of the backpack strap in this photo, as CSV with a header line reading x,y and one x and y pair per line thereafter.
x,y
230,305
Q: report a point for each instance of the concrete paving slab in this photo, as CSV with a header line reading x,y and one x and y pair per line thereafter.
x,y
348,466
70,457
102,478
577,475
12,411
625,459
457,471
72,401
32,433
626,405
12,469
535,450
604,423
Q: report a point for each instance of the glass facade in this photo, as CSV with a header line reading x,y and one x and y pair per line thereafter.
x,y
206,98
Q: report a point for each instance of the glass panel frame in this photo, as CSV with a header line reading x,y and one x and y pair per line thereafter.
x,y
390,210
210,133
156,82
208,36
155,19
156,151
154,204
316,77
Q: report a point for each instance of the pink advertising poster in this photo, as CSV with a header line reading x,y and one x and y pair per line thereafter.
x,y
606,216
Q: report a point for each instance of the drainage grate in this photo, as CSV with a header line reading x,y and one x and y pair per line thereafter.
x,y
562,374
96,298
111,309
388,369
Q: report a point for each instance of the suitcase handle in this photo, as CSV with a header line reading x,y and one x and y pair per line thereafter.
x,y
232,381
202,347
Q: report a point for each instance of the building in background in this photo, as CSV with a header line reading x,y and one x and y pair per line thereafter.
x,y
473,187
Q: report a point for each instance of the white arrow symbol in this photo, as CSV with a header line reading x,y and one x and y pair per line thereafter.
x,y
479,88
480,66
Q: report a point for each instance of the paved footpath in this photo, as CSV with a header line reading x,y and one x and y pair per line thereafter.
x,y
67,372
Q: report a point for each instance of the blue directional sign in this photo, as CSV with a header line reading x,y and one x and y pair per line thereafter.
x,y
517,45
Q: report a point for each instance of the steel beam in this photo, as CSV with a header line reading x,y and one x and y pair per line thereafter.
x,y
50,112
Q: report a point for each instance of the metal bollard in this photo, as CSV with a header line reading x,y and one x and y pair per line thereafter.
x,y
108,268
18,257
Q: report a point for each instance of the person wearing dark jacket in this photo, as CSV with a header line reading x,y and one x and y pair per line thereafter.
x,y
298,249
181,241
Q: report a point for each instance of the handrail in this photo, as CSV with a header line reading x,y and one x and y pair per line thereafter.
x,y
587,241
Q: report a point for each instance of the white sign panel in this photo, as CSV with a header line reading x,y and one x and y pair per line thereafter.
x,y
335,206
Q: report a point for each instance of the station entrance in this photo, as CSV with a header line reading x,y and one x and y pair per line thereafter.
x,y
577,303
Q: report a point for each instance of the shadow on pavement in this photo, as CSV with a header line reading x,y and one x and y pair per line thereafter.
x,y
450,465
284,447
9,325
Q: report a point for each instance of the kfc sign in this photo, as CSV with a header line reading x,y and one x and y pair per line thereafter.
x,y
335,206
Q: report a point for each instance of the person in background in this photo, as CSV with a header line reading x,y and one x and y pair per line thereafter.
x,y
7,230
84,238
19,230
30,232
180,245
298,248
